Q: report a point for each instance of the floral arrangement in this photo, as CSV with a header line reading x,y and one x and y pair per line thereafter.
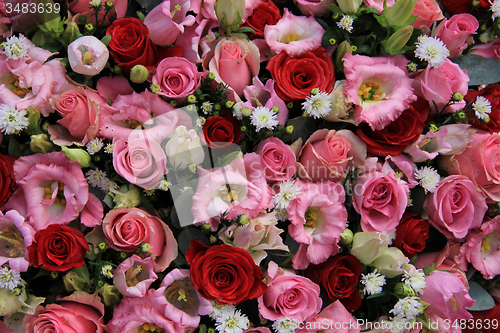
x,y
230,166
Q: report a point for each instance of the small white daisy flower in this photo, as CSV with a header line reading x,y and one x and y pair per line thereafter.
x,y
317,106
93,146
109,148
164,185
12,121
415,278
207,107
238,110
289,190
107,271
408,307
482,107
95,3
495,8
346,23
9,278
428,178
432,50
15,47
232,322
95,177
285,325
373,283
219,309
200,121
263,117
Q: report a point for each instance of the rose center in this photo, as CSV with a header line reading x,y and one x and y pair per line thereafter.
x,y
369,91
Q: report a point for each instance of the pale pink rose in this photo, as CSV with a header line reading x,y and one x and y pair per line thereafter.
x,y
378,4
427,12
456,32
327,153
332,319
245,178
229,55
381,199
126,228
447,296
294,34
80,312
318,217
17,235
266,95
390,90
288,295
53,190
134,275
482,248
83,7
314,7
488,50
479,162
132,313
455,207
277,159
437,85
187,311
164,27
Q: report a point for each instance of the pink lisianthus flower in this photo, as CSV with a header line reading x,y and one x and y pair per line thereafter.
x,y
294,34
488,50
288,295
266,96
379,87
17,235
180,300
482,248
332,319
314,7
134,275
87,55
53,190
190,41
317,217
456,32
167,20
238,188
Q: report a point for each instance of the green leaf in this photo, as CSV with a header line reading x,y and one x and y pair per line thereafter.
x,y
303,127
106,39
83,272
187,235
480,70
14,148
483,299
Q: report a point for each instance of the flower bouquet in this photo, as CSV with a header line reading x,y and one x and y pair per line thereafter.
x,y
229,166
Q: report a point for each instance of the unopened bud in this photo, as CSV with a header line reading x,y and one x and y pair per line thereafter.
x,y
139,74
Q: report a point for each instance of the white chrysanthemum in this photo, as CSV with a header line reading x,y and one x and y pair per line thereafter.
x,y
15,47
495,8
200,121
317,106
263,117
12,121
408,307
238,110
482,107
96,177
415,279
232,322
432,50
164,185
93,146
428,178
285,325
206,107
346,23
109,148
107,271
219,309
289,190
95,3
373,283
9,278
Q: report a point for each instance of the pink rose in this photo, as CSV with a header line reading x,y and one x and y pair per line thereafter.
x,y
134,275
17,235
141,161
380,199
277,158
314,7
479,162
427,11
177,77
231,55
436,85
448,259
126,228
82,7
53,190
456,31
455,207
288,295
488,50
80,312
326,154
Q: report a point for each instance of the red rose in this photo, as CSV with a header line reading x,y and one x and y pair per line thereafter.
x,y
488,319
492,94
221,131
411,234
295,77
224,273
392,139
58,248
267,13
457,6
7,181
339,277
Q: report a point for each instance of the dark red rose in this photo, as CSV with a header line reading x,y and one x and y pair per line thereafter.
x,y
58,248
295,77
224,273
457,6
411,234
492,94
393,139
267,13
487,321
221,131
7,181
339,277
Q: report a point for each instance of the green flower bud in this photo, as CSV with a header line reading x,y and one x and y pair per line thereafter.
x,y
40,143
173,103
349,6
211,76
346,237
243,129
110,295
246,112
139,74
402,290
73,281
102,246
217,107
109,5
289,129
229,104
457,97
486,119
399,14
433,127
398,40
332,41
191,99
127,196
155,88
343,48
242,220
230,13
77,154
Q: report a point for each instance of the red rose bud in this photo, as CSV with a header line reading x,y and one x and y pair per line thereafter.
x,y
267,13
411,234
221,131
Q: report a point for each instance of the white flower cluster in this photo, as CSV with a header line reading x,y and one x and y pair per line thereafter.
x,y
228,319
